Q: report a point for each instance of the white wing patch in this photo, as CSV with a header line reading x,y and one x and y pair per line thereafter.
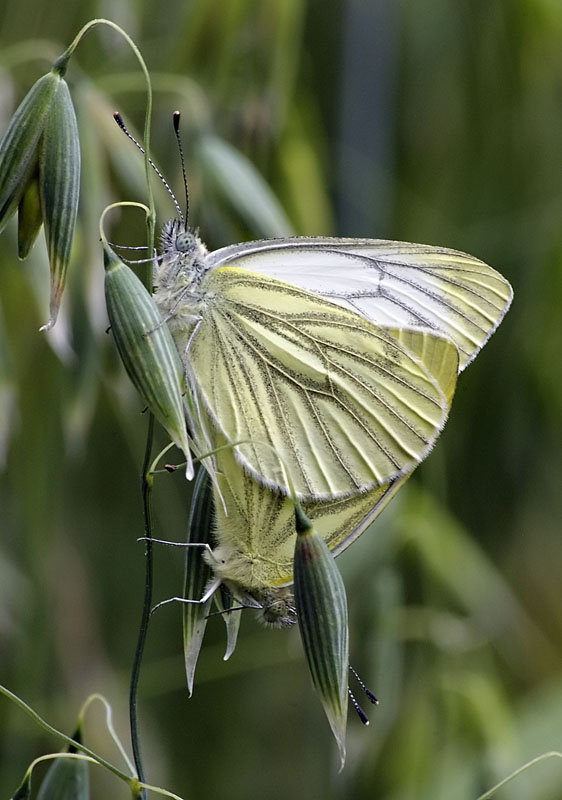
x,y
391,284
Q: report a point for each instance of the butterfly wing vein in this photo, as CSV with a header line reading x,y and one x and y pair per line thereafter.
x,y
344,405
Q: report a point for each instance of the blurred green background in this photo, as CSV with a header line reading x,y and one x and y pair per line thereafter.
x,y
422,120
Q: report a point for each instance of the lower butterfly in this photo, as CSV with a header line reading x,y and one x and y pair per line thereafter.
x,y
321,366
254,527
250,529
251,533
321,348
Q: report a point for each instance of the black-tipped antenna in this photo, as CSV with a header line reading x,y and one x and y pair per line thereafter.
x,y
360,713
177,117
119,120
367,691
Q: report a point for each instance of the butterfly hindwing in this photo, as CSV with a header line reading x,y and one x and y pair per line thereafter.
x,y
256,539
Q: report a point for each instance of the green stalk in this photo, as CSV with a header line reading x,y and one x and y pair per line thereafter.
x,y
147,280
67,739
61,65
528,765
147,483
108,724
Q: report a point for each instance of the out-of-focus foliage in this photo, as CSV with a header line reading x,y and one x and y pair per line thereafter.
x,y
423,120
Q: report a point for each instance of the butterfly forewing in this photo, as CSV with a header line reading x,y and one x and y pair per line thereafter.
x,y
393,284
345,405
257,537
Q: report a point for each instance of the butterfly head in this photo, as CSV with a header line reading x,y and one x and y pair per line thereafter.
x,y
180,240
277,608
178,271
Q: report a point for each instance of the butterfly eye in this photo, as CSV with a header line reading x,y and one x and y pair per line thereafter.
x,y
184,242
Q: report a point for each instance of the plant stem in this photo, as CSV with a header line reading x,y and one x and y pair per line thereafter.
x,y
528,765
121,204
108,724
68,739
147,482
60,66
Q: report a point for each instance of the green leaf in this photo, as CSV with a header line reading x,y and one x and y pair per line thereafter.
x,y
243,186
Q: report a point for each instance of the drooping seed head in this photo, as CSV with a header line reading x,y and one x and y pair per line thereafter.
x,y
147,349
40,175
321,606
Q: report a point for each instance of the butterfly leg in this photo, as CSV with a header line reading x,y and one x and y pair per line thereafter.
x,y
209,591
177,544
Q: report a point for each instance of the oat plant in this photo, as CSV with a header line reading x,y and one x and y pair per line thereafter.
x,y
277,502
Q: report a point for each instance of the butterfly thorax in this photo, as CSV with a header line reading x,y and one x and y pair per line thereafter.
x,y
179,271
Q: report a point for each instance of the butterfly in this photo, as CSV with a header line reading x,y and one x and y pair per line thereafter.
x,y
340,356
293,343
254,526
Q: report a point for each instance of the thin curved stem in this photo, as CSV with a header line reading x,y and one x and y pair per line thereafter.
x,y
528,765
135,786
160,455
109,725
120,204
68,739
147,483
60,66
159,790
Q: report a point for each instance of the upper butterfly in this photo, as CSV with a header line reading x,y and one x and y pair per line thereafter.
x,y
293,342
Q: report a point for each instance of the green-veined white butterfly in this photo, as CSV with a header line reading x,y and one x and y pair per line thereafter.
x,y
255,525
335,359
289,342
296,362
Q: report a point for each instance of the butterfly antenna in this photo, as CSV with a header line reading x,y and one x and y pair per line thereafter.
x,y
177,117
366,689
119,120
360,713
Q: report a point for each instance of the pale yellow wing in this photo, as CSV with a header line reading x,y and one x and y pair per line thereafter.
x,y
345,404
256,536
